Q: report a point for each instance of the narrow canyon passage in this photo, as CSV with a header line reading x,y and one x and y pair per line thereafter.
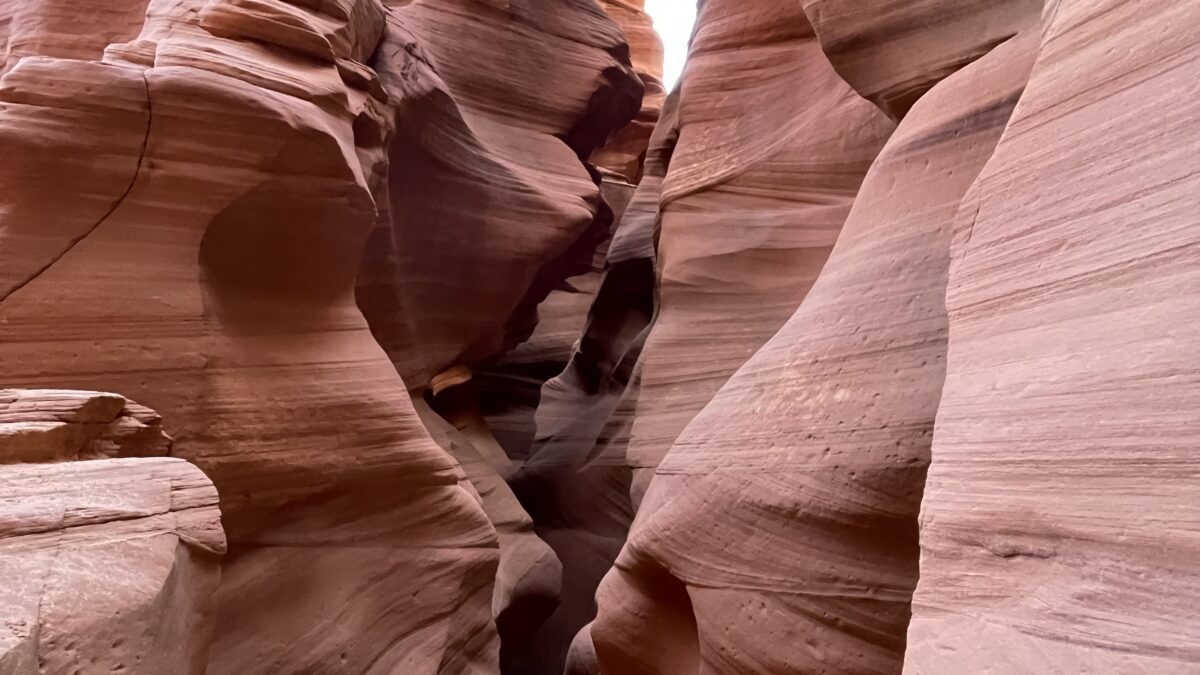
x,y
599,337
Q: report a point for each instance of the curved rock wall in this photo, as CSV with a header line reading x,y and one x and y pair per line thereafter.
x,y
625,153
772,149
354,253
1059,528
780,532
109,550
490,204
212,278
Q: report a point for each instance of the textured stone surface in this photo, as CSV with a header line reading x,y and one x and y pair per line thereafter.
x,y
1059,531
780,533
575,482
529,576
69,29
772,148
893,52
54,425
107,565
625,153
490,204
356,253
203,262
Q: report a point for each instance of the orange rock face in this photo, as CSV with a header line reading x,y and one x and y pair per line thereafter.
x,y
1059,528
780,532
204,258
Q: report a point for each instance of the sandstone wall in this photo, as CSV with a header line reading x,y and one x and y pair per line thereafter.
x,y
772,148
465,349
187,195
1059,527
109,550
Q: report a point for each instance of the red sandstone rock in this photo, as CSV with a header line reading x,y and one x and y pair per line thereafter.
x,y
893,52
54,425
106,565
186,192
748,215
214,281
575,482
65,29
529,577
490,203
779,534
625,153
1059,530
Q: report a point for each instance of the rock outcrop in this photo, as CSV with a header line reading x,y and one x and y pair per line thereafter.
x,y
52,425
1059,527
529,577
109,550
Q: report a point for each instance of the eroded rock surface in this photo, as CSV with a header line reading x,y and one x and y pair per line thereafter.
x,y
625,153
55,425
780,532
1059,531
110,563
357,254
204,263
491,205
772,149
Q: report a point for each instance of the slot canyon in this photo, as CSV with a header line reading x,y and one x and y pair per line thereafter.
x,y
452,337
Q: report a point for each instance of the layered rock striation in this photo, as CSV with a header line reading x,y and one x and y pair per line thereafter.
x,y
780,532
772,148
204,261
1059,526
109,549
462,348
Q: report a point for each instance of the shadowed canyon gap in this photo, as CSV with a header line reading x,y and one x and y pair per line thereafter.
x,y
436,337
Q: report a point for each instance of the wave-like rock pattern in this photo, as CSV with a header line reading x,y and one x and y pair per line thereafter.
x,y
109,550
625,153
490,202
209,271
748,215
341,245
1059,531
885,51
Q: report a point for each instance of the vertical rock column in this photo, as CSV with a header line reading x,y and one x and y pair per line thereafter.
x,y
1060,530
772,148
216,285
780,532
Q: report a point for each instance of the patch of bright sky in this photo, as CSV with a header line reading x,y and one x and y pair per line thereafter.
x,y
673,20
